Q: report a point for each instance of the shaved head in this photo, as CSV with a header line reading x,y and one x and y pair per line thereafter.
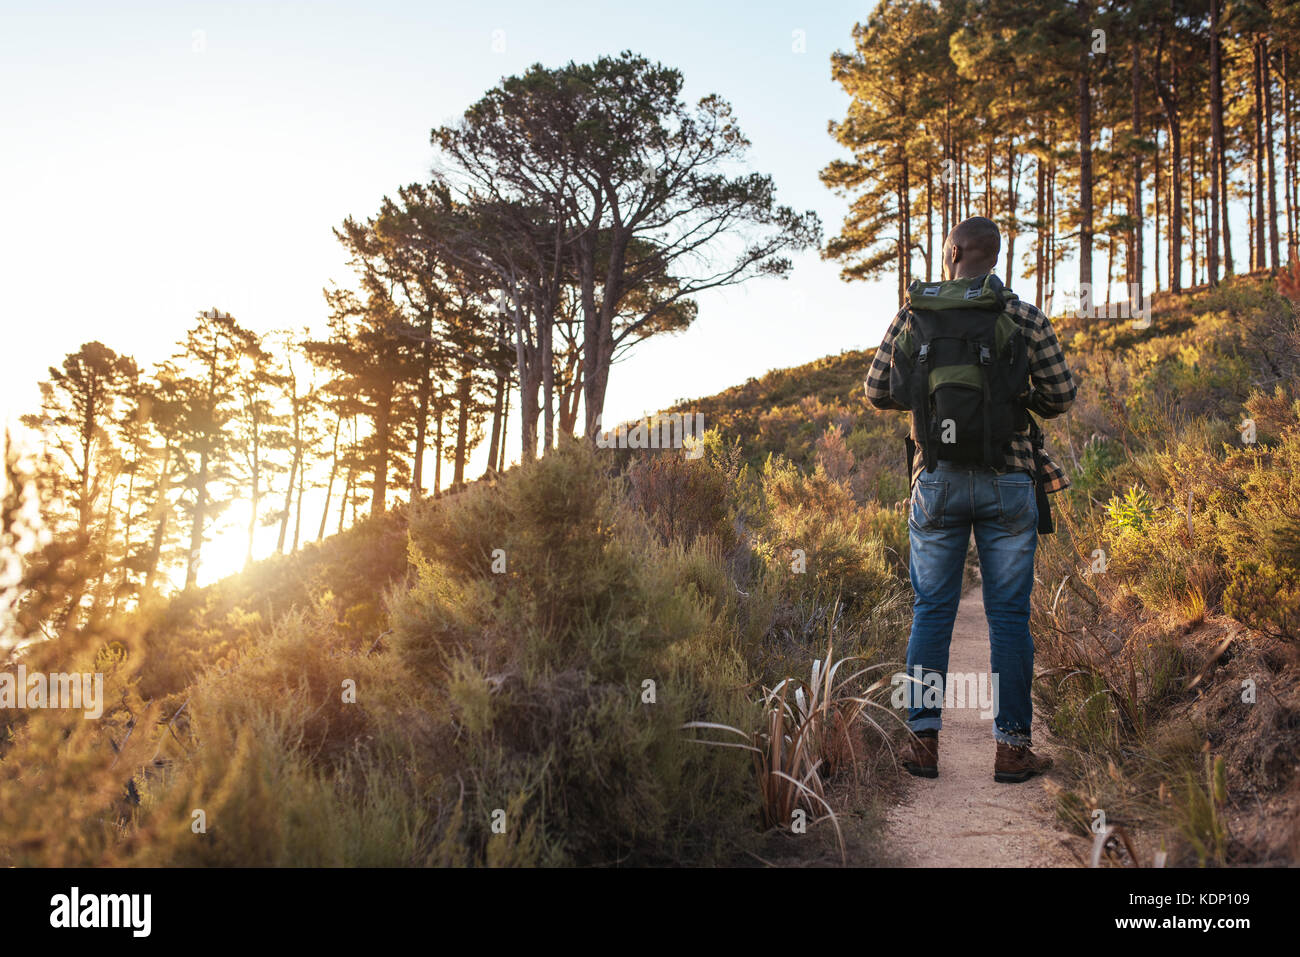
x,y
972,248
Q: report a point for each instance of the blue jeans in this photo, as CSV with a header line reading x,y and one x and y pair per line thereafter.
x,y
946,504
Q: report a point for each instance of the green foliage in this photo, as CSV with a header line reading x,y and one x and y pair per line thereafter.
x,y
1130,513
544,664
683,498
1264,590
519,699
1198,524
1200,811
1098,458
788,412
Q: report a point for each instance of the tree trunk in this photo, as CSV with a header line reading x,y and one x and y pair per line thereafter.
x,y
1216,140
570,397
1266,76
124,571
437,464
946,176
1173,121
1138,210
421,414
1191,207
383,438
1288,152
1251,218
1013,188
899,251
196,526
256,496
293,470
593,385
1156,199
529,409
545,336
904,228
1223,187
162,509
463,400
1085,163
297,519
1038,244
329,485
966,198
1257,254
1205,209
1051,225
496,424
1173,215
505,428
1110,248
929,223
988,179
348,492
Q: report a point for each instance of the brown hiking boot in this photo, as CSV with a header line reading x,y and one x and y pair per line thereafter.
x,y
921,756
1015,764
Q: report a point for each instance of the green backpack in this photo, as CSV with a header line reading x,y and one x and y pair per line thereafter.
x,y
961,364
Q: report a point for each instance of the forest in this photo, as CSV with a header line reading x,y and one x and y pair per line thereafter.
x,y
544,251
1138,132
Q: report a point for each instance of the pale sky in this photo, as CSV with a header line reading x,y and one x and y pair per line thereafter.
x,y
157,159
162,158
168,157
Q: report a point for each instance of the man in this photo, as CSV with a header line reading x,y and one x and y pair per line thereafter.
x,y
977,466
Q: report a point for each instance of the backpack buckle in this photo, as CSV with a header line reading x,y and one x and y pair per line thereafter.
x,y
924,354
986,357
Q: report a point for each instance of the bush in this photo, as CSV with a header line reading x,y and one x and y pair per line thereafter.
x,y
682,498
544,663
1264,591
821,545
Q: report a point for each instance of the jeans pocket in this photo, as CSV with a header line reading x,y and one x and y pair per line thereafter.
x,y
1015,500
928,499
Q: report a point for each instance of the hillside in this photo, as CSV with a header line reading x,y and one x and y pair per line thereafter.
x,y
814,413
502,677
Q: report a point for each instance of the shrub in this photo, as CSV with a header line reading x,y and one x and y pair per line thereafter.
x,y
1265,596
545,662
682,498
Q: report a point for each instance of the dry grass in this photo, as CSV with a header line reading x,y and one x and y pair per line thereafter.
x,y
807,737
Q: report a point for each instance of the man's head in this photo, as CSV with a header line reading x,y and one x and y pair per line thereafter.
x,y
971,249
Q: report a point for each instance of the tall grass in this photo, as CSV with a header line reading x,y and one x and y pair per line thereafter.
x,y
1175,522
807,734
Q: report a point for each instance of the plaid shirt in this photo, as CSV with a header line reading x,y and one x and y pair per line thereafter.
x,y
1052,390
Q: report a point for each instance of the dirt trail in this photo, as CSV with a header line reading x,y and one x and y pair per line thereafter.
x,y
964,818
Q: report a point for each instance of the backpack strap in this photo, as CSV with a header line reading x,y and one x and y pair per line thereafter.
x,y
985,360
921,407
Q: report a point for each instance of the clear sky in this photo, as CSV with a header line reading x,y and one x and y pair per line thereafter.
x,y
157,159
162,158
